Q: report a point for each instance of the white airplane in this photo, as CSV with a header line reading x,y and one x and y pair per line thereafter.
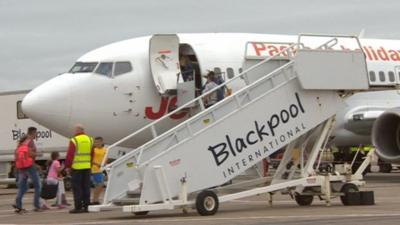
x,y
119,88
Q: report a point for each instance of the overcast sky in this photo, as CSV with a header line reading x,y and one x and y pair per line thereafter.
x,y
42,38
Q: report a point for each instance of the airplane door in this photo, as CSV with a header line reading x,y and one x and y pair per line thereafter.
x,y
164,61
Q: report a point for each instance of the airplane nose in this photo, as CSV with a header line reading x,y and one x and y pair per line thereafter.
x,y
50,104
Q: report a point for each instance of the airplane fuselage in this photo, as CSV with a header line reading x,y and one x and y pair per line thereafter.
x,y
117,105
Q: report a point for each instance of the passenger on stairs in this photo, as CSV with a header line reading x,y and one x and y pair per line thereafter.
x,y
211,98
187,68
221,91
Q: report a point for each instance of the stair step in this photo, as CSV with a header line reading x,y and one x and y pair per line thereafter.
x,y
126,201
133,194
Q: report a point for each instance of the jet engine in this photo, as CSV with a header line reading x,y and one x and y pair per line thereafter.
x,y
386,135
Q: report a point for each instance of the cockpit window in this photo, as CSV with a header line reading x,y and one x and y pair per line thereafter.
x,y
122,67
105,69
83,67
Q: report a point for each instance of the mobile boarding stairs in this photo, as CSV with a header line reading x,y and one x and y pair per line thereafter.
x,y
287,100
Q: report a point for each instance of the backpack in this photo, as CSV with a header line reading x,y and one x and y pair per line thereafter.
x,y
23,159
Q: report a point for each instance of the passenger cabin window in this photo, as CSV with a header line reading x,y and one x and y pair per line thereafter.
x,y
122,67
83,67
391,76
372,76
105,69
230,73
381,76
20,113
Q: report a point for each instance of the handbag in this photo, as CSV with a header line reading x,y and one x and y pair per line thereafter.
x,y
49,191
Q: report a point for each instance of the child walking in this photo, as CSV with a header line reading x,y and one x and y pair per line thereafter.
x,y
99,152
54,177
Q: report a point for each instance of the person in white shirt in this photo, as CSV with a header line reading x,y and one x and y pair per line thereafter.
x,y
211,98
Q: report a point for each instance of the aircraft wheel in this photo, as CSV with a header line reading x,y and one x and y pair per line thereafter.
x,y
207,203
303,200
346,189
142,213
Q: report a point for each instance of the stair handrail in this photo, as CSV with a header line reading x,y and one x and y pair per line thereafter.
x,y
198,99
141,164
330,35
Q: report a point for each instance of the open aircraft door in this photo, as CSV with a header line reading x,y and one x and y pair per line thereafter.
x,y
164,62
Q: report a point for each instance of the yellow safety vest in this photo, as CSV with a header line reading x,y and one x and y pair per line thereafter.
x,y
83,148
367,148
364,149
354,149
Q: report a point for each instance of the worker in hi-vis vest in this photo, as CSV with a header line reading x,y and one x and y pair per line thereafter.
x,y
78,162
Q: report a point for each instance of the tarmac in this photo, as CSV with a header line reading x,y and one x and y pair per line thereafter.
x,y
249,211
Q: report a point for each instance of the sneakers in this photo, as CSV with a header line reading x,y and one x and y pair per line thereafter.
x,y
61,206
20,211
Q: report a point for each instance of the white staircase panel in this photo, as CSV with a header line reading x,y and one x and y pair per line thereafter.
x,y
199,166
119,177
331,69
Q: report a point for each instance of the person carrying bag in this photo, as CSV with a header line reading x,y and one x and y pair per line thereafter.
x,y
25,163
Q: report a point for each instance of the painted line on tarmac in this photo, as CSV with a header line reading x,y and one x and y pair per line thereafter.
x,y
30,212
52,209
293,201
231,218
6,210
261,202
9,193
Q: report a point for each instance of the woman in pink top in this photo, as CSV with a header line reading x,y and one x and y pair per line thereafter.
x,y
54,177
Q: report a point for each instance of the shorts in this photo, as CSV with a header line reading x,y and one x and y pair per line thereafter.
x,y
98,179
